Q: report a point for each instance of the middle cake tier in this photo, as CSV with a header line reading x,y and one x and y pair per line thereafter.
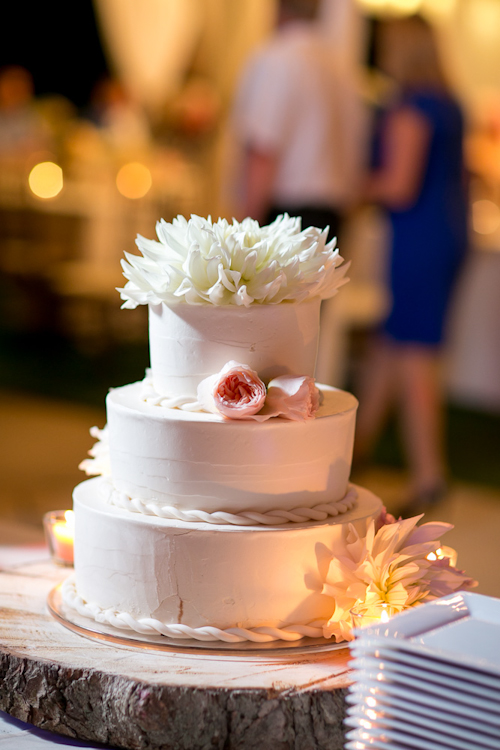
x,y
201,461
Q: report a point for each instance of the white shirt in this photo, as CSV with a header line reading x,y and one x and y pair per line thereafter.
x,y
290,103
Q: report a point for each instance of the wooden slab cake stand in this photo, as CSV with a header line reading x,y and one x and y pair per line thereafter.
x,y
150,699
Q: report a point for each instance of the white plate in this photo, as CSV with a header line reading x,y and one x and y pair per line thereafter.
x,y
383,678
373,744
362,649
402,671
389,736
413,722
387,691
455,718
461,628
418,736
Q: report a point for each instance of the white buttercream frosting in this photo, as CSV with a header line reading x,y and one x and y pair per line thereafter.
x,y
190,343
202,462
198,261
169,573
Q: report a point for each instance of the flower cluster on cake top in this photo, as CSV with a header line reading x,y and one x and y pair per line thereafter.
x,y
198,261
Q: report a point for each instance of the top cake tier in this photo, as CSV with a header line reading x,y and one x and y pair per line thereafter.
x,y
219,292
189,343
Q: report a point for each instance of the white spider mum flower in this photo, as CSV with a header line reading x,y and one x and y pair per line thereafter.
x,y
200,262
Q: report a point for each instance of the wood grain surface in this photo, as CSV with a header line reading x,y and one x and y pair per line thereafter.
x,y
159,700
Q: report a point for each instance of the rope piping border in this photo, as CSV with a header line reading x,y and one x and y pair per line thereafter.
x,y
271,518
151,626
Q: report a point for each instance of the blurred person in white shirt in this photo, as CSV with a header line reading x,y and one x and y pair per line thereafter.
x,y
298,124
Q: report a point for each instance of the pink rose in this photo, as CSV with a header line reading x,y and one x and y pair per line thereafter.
x,y
236,392
292,397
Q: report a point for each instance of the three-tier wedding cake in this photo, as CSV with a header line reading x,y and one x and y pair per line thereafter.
x,y
222,505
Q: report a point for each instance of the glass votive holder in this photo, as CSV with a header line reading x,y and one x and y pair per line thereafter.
x,y
377,614
59,533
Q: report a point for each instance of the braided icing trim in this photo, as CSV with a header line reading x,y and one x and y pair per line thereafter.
x,y
150,626
185,403
247,518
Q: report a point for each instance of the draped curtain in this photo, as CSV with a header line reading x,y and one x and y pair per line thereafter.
x,y
150,44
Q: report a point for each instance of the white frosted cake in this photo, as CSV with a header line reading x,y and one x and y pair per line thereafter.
x,y
223,491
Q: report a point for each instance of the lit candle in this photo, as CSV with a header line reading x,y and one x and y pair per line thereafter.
x,y
443,552
59,530
371,615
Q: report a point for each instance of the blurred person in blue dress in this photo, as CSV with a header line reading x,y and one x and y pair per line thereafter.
x,y
419,179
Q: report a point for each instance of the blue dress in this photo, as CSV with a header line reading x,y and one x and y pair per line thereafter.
x,y
429,239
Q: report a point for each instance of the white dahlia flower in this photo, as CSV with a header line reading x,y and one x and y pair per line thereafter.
x,y
200,262
393,566
99,463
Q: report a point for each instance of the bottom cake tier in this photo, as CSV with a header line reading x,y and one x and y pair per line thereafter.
x,y
205,581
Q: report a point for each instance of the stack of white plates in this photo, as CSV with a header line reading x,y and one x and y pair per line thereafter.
x,y
429,679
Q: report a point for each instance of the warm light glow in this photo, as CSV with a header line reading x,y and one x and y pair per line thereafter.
x,y
134,180
363,615
451,554
46,180
60,532
404,7
482,18
64,531
373,4
371,702
371,714
436,8
365,724
485,216
442,552
439,8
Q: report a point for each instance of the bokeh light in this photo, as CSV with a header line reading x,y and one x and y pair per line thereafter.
x,y
485,216
134,180
404,7
46,180
483,19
